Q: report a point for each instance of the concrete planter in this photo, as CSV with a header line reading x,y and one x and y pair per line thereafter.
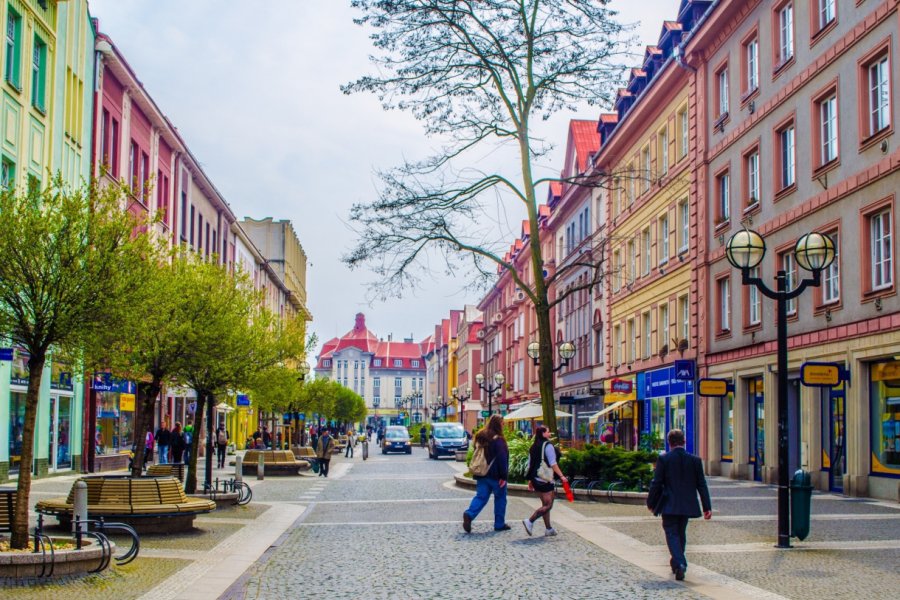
x,y
66,562
521,489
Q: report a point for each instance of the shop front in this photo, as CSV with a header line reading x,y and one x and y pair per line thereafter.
x,y
668,403
62,413
884,399
115,401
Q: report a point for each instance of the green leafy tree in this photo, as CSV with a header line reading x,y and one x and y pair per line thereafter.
x,y
477,74
349,407
319,396
71,264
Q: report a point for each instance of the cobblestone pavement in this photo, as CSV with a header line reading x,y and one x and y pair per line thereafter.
x,y
390,527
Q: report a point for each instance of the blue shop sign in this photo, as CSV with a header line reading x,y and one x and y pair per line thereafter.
x,y
664,382
104,382
6,354
243,400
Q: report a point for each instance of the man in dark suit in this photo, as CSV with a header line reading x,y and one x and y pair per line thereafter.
x,y
673,494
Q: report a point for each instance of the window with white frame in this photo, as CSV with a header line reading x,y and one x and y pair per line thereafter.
x,y
663,248
722,90
415,364
787,157
632,262
831,276
647,333
662,151
879,95
617,345
723,197
646,250
751,58
751,164
645,168
828,130
683,126
376,391
789,265
617,271
754,301
785,33
664,324
881,249
398,388
630,340
398,362
376,362
724,295
684,313
684,220
825,12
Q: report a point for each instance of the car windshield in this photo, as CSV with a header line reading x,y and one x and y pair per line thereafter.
x,y
451,432
396,434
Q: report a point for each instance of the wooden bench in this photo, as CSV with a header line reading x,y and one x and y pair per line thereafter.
x,y
303,452
277,462
169,470
149,504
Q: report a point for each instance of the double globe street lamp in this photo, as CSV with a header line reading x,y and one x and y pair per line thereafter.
x,y
440,405
499,378
461,398
566,351
814,252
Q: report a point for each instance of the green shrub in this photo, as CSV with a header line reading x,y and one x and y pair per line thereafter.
x,y
609,464
518,458
414,431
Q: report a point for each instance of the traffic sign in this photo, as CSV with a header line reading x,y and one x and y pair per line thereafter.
x,y
485,414
714,387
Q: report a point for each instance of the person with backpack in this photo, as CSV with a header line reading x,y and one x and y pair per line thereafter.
x,y
221,445
542,469
490,468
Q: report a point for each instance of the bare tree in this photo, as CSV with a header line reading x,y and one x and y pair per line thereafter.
x,y
477,73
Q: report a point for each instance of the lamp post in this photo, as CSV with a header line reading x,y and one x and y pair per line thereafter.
x,y
441,405
566,351
814,252
499,378
462,398
302,372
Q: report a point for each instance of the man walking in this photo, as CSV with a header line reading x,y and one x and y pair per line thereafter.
x,y
324,448
221,446
349,451
673,494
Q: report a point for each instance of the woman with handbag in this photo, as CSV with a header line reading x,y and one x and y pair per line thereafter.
x,y
542,468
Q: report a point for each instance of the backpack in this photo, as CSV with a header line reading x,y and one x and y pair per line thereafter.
x,y
222,438
479,465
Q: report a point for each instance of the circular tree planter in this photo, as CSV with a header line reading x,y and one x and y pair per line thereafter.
x,y
65,562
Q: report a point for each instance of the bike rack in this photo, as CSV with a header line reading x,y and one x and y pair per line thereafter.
x,y
100,535
612,488
41,542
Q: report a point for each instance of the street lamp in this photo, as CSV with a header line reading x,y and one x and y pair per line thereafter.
x,y
303,370
499,378
440,405
566,351
814,252
462,398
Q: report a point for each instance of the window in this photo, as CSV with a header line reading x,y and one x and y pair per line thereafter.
x,y
632,262
683,127
144,176
789,266
831,277
183,214
662,151
114,148
723,197
617,345
827,130
722,91
727,420
207,239
646,250
632,340
785,33
664,325
786,158
663,248
200,232
645,169
7,174
751,66
191,234
648,340
376,391
398,362
754,301
133,166
415,364
879,94
684,221
684,315
162,197
39,74
326,362
617,270
825,13
13,47
881,250
723,294
751,175
398,388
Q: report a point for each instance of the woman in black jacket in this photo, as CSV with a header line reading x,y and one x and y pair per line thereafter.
x,y
177,443
494,482
542,469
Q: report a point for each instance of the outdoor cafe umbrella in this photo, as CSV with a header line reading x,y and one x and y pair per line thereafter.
x,y
532,412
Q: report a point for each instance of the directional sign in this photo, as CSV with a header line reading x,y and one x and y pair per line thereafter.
x,y
485,414
817,374
714,387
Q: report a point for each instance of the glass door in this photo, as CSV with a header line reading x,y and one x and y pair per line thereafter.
x,y
757,426
59,456
834,457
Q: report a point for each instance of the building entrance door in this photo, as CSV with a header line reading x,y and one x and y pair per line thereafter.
x,y
60,457
757,411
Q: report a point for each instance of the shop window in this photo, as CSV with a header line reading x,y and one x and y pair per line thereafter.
x,y
727,427
884,394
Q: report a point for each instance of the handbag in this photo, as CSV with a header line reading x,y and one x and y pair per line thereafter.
x,y
544,471
660,503
314,463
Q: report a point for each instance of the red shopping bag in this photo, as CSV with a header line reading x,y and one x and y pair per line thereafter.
x,y
568,489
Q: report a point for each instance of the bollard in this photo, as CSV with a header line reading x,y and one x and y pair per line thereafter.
x,y
79,507
261,466
238,468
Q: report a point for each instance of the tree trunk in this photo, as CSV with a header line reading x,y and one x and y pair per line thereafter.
x,y
143,422
19,538
190,482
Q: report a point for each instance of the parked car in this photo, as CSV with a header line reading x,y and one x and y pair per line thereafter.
x,y
396,439
446,439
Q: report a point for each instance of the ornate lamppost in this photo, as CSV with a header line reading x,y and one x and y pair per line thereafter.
x,y
302,371
814,252
499,378
461,398
440,405
566,351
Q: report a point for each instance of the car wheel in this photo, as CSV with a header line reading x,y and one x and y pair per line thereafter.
x,y
383,451
409,450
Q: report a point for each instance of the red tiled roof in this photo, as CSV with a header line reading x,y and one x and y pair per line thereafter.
x,y
584,135
543,209
609,118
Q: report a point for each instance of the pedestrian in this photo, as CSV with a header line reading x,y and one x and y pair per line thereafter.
x,y
148,449
266,437
221,445
542,469
349,452
423,434
163,440
188,442
177,442
673,494
496,453
324,448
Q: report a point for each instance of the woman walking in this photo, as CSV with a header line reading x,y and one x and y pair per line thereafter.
x,y
542,468
177,443
490,441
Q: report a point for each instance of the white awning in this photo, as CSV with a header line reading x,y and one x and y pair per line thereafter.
x,y
532,411
596,416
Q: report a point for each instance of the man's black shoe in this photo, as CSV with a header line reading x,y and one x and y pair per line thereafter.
x,y
504,527
679,574
467,523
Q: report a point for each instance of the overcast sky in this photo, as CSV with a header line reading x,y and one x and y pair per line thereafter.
x,y
253,89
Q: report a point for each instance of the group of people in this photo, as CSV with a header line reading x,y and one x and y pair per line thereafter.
x,y
677,483
172,445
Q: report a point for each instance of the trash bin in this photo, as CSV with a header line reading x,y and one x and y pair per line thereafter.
x,y
801,504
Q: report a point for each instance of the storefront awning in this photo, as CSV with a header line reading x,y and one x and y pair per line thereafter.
x,y
596,416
